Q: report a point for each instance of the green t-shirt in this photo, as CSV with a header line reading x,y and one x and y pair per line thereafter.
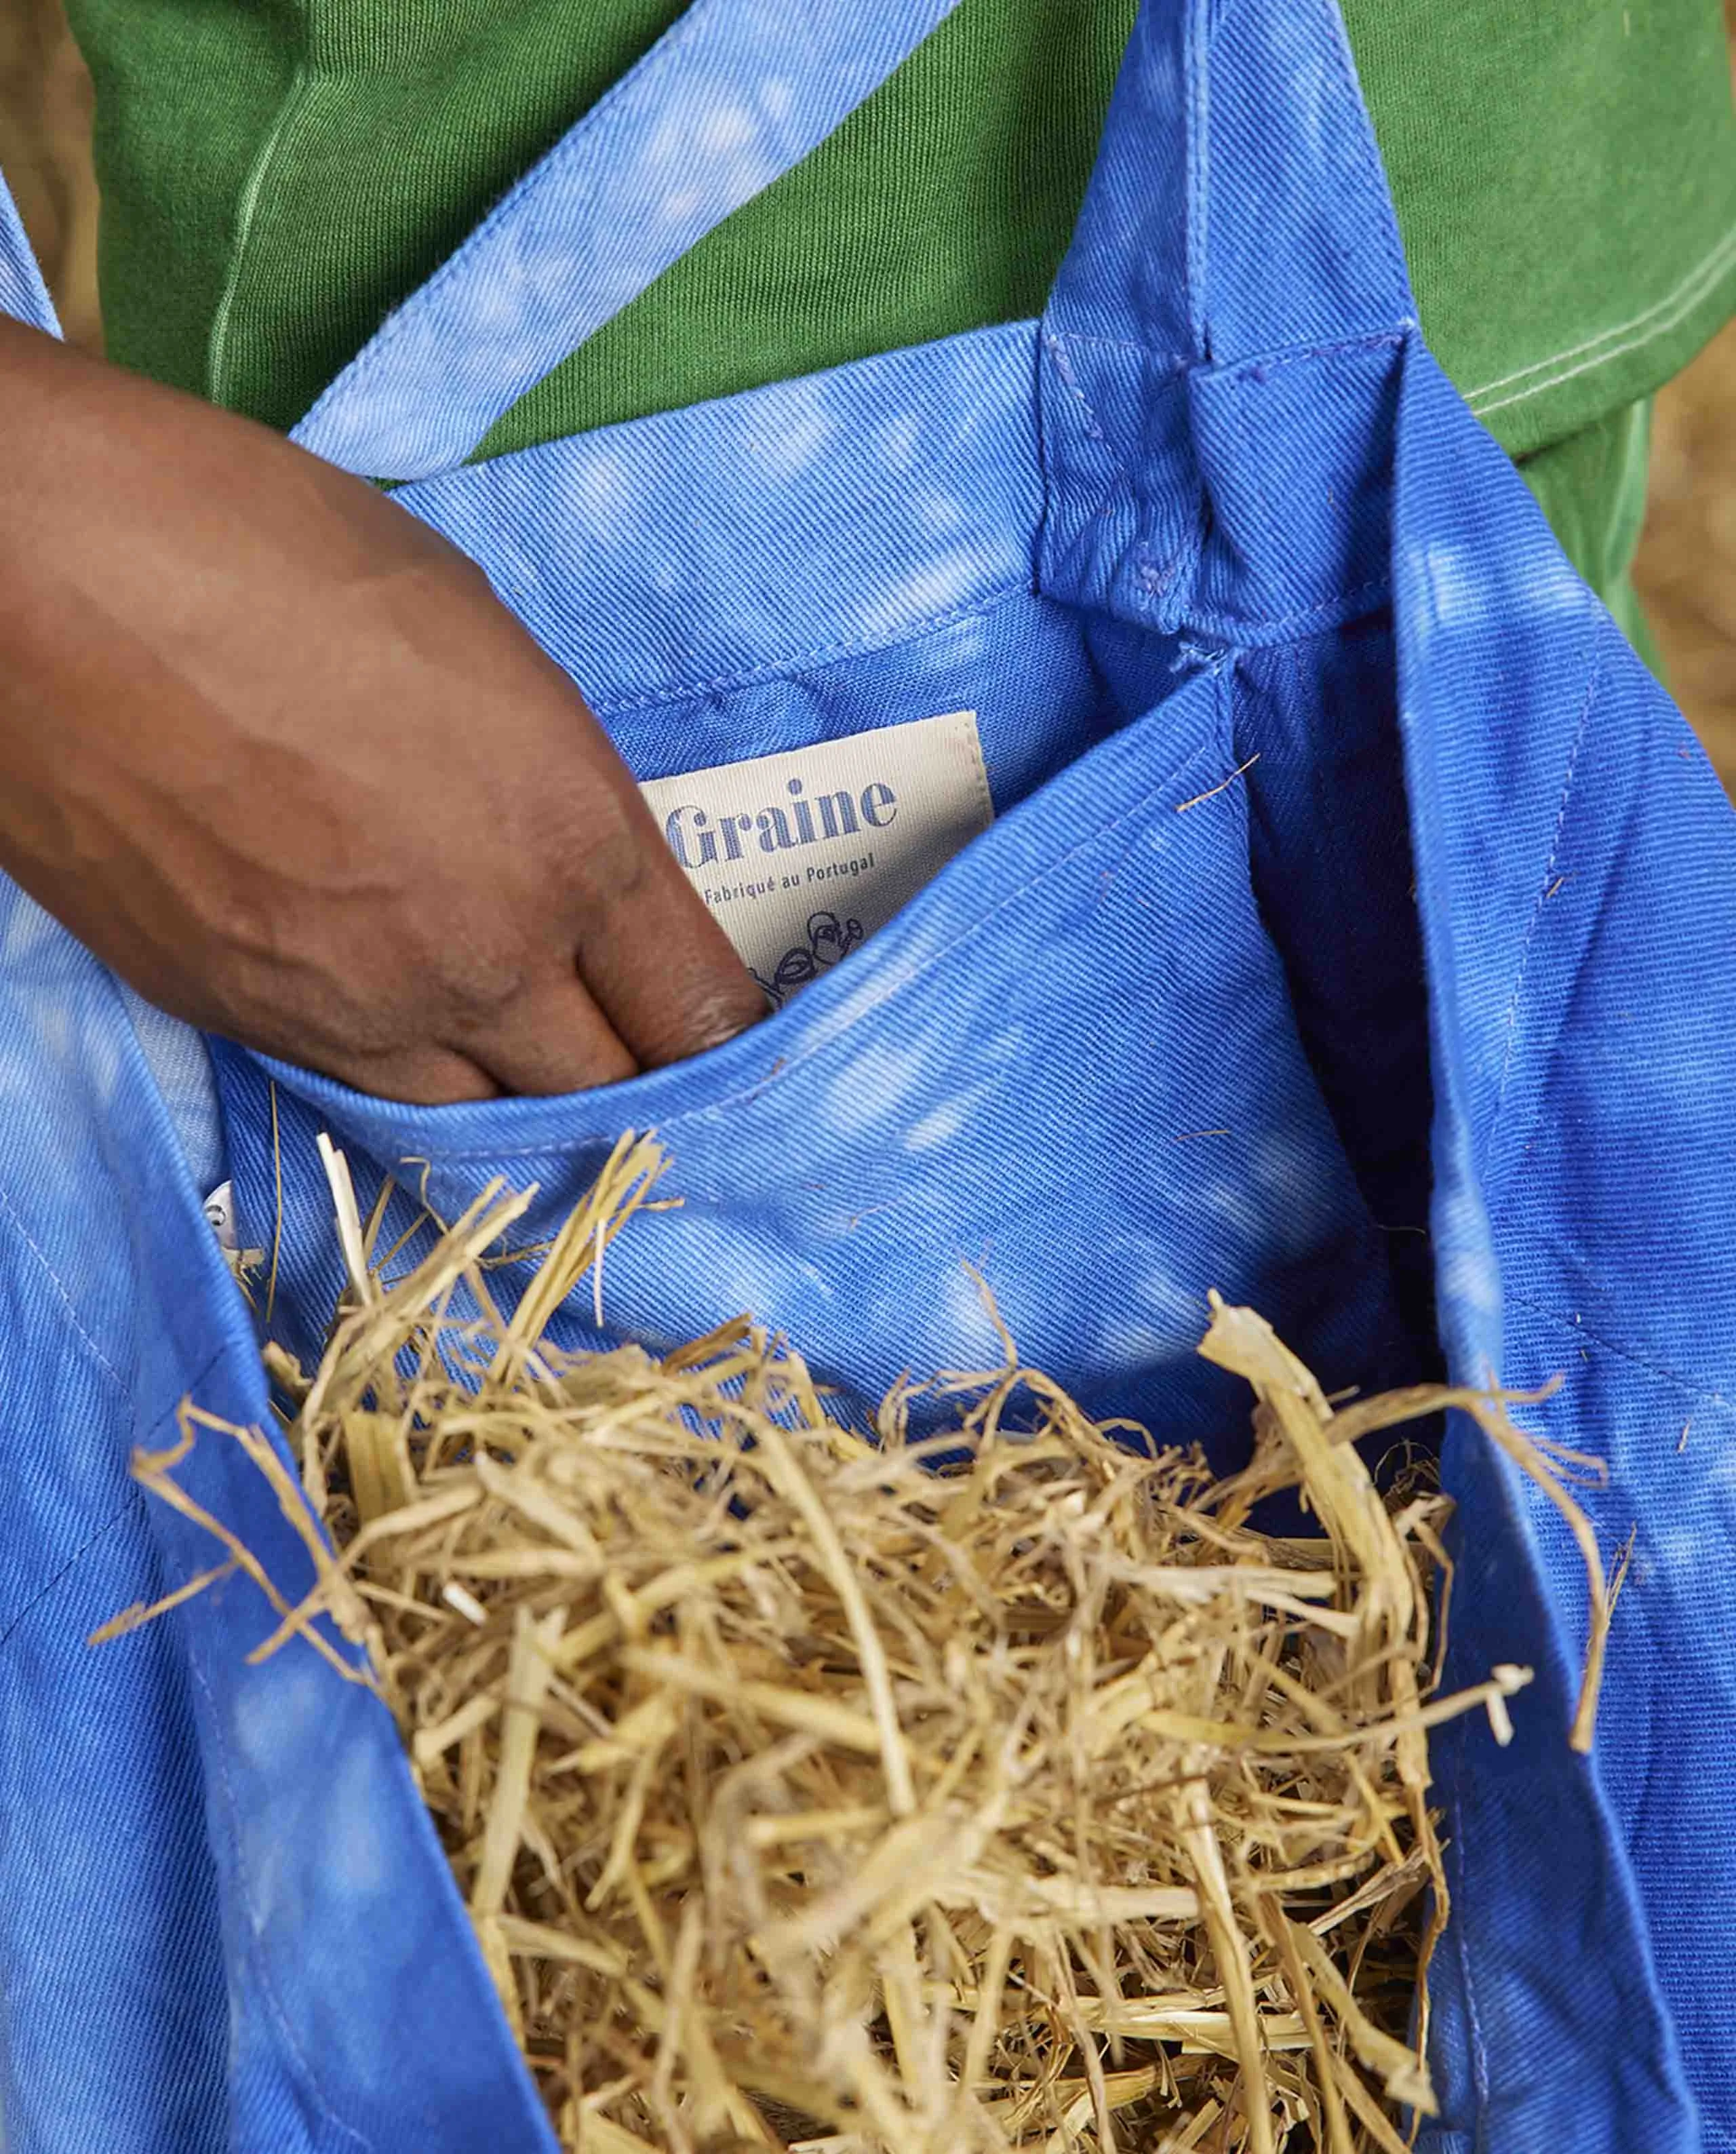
x,y
277,174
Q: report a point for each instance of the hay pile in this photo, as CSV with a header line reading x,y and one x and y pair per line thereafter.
x,y
1000,1790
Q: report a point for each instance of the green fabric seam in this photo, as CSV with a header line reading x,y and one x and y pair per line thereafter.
x,y
1657,321
217,348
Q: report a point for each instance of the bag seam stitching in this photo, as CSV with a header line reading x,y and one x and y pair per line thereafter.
x,y
1249,373
133,1499
69,1307
1658,1369
820,656
1274,632
1155,570
1522,971
1396,334
1256,465
1054,343
22,1615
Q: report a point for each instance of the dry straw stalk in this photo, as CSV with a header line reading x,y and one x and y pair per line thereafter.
x,y
1005,1788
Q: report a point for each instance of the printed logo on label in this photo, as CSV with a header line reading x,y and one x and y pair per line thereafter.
x,y
802,856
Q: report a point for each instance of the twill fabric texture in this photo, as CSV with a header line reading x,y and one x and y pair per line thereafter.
x,y
1354,937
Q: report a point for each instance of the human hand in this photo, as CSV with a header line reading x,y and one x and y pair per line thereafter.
x,y
274,750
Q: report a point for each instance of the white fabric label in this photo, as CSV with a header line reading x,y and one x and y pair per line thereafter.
x,y
220,1212
802,856
220,1217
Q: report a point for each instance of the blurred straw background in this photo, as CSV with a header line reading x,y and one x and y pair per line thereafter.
x,y
1687,569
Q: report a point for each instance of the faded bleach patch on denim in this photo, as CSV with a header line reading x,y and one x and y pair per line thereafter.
x,y
1353,934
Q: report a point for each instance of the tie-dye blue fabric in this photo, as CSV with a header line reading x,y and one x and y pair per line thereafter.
x,y
24,296
1355,935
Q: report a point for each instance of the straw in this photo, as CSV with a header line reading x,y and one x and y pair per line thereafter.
x,y
1003,1787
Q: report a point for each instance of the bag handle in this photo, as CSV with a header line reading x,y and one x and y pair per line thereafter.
x,y
1235,289
1239,205
732,97
24,295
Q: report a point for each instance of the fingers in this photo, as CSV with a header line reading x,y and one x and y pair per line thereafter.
x,y
655,961
621,967
424,1077
552,1038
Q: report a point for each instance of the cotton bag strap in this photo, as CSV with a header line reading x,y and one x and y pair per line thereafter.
x,y
1224,325
736,94
22,293
1239,205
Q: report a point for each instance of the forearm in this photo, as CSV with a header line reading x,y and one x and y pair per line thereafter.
x,y
273,749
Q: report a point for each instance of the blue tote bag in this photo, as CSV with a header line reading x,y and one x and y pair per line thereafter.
x,y
1344,920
